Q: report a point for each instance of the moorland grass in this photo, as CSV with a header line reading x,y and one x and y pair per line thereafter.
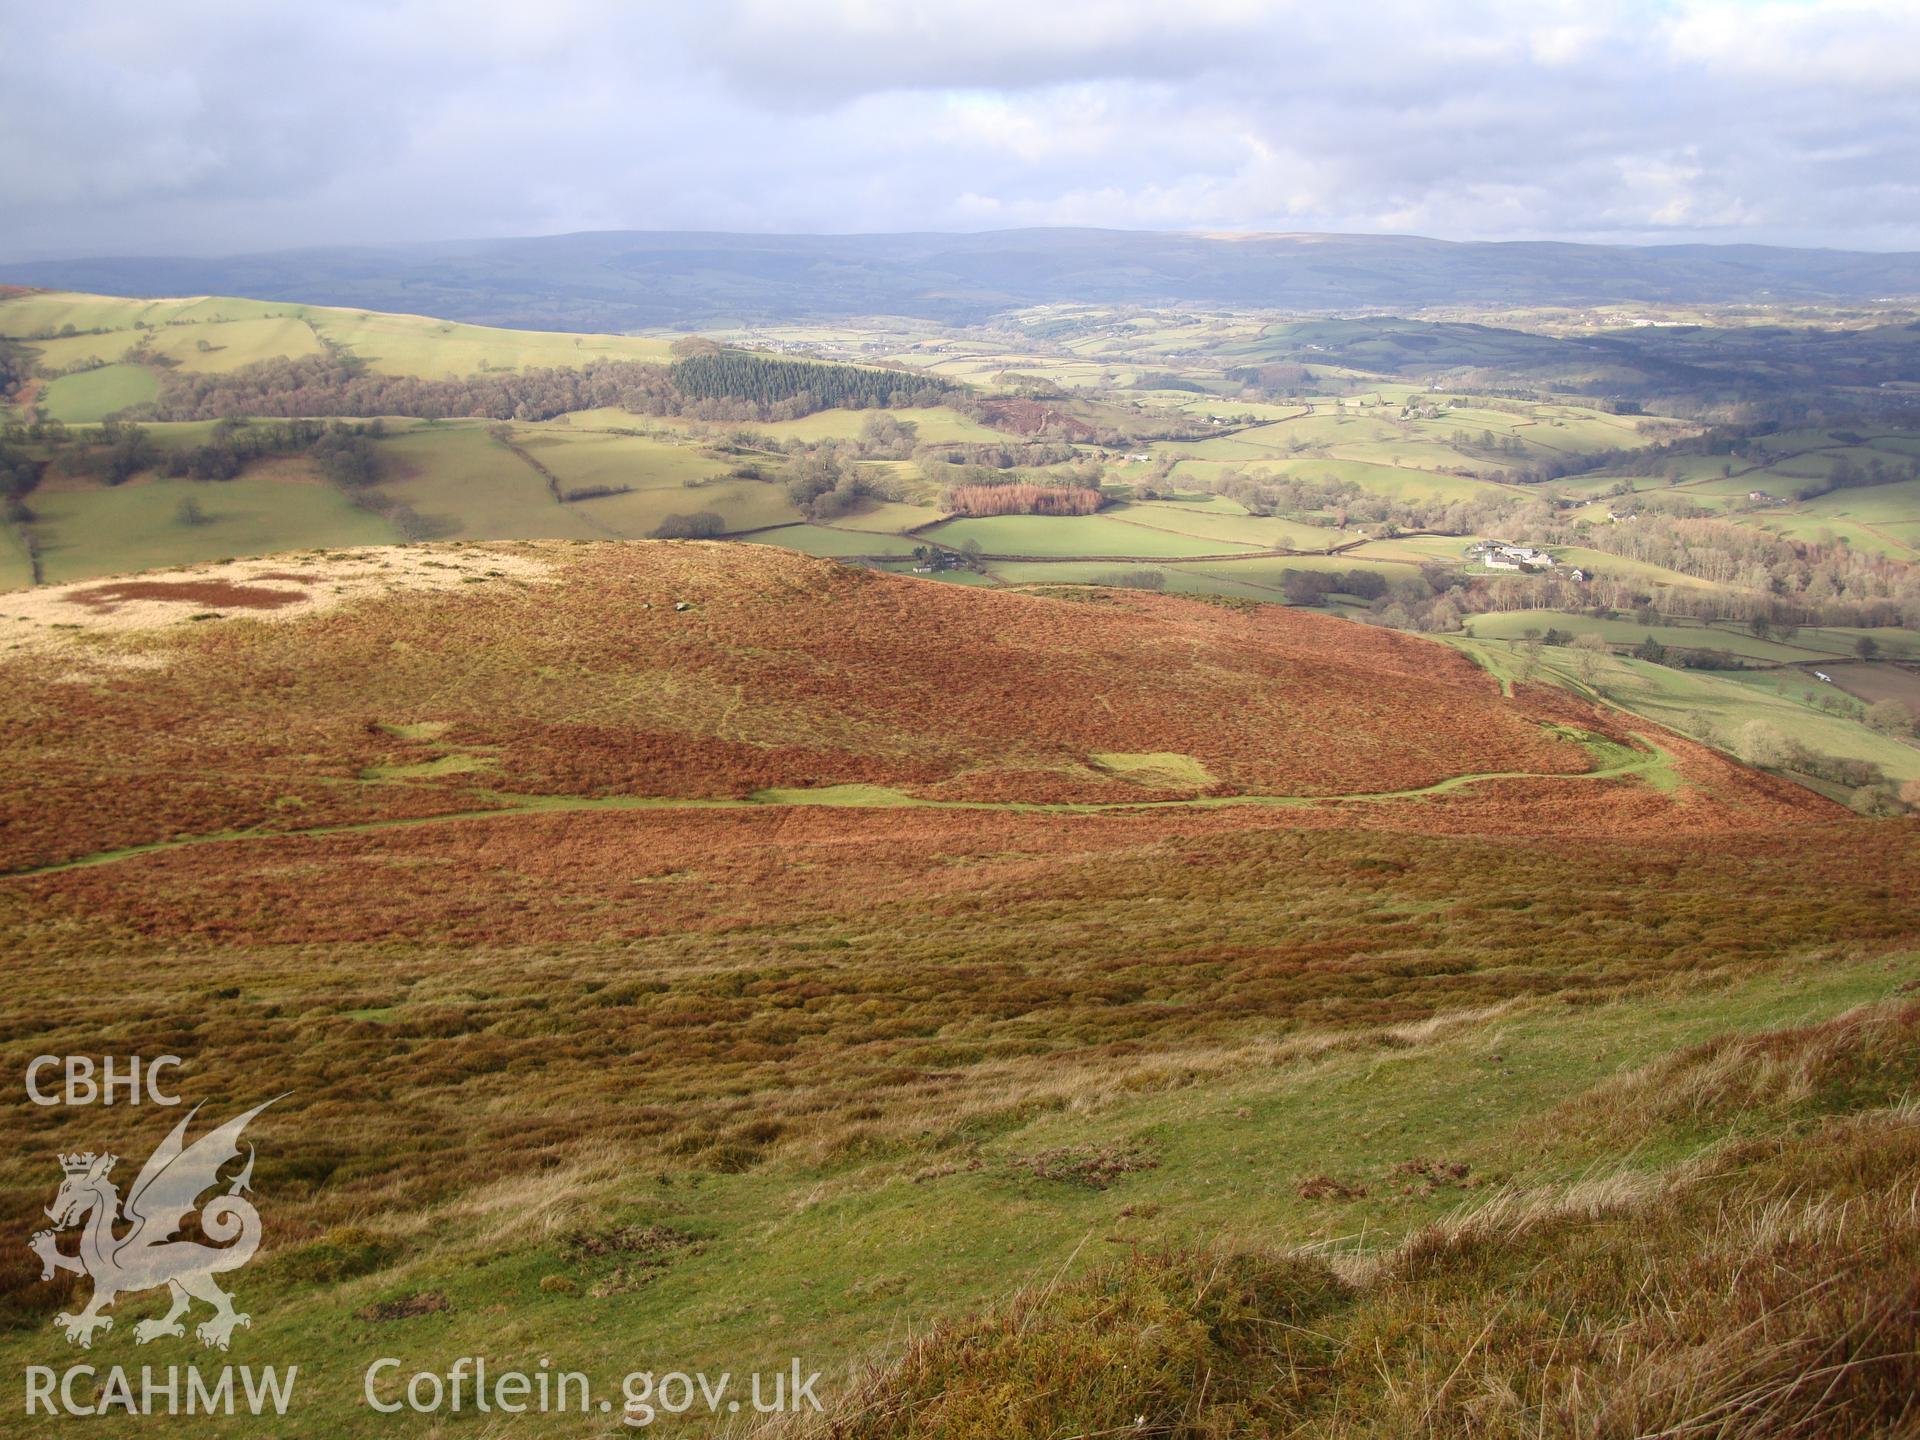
x,y
845,1070
1750,1286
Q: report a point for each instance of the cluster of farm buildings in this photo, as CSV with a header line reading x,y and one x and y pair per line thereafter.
x,y
1499,555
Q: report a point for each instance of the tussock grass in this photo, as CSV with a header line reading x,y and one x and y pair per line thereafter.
x,y
1185,1343
1767,1287
1868,1056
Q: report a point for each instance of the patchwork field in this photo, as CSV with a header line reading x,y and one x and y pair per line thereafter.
x,y
1149,401
1718,708
217,334
1806,645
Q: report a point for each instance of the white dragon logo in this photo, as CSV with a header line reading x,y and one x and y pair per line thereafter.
x,y
147,1256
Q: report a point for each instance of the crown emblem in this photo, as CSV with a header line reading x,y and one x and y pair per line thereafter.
x,y
83,1164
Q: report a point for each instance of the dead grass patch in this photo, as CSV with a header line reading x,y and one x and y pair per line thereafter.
x,y
405,1307
1094,1167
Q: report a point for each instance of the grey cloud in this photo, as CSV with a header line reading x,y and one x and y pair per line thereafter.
x,y
212,126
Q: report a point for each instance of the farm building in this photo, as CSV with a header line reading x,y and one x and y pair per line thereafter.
x,y
1498,555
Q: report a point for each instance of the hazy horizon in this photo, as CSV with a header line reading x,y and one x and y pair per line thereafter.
x,y
1213,232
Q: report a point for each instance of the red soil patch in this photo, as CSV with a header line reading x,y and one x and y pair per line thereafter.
x,y
215,594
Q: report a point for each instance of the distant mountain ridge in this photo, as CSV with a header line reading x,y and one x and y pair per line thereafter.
x,y
618,280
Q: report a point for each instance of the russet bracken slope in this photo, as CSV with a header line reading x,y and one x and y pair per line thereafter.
x,y
525,859
701,672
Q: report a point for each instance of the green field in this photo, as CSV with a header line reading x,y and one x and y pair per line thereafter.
x,y
467,486
1377,478
1881,518
1599,562
1711,707
51,311
889,517
1219,521
429,348
230,346
102,531
1045,535
584,459
1808,645
16,567
1268,571
238,332
1257,579
72,350
666,479
741,504
96,394
1177,579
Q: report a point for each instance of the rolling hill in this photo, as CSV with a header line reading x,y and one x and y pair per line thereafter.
x,y
617,280
1343,487
669,676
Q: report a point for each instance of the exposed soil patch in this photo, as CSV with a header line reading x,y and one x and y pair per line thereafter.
x,y
644,1250
938,1172
1430,1175
1093,1166
422,1302
223,593
1325,1187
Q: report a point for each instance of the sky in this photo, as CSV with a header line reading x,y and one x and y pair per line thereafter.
x,y
212,127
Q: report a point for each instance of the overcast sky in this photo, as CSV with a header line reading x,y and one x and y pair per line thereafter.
x,y
218,126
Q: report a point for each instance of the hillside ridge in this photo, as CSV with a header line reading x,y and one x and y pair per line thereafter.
x,y
624,279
